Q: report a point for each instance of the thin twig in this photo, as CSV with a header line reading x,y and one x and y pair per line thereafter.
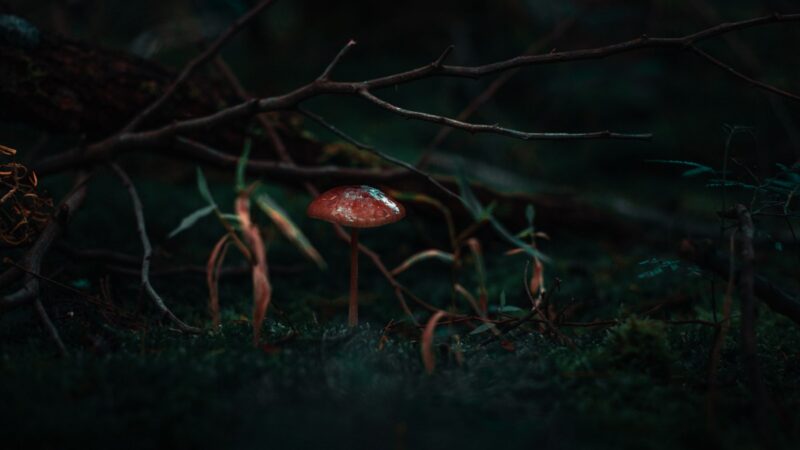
x,y
327,72
530,316
321,121
440,60
189,149
32,261
741,76
490,91
147,251
49,280
748,305
641,43
50,327
197,62
495,129
161,137
262,118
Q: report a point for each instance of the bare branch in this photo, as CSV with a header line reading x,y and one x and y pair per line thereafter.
x,y
262,118
164,135
192,150
440,60
321,121
741,76
640,43
327,72
495,129
490,90
198,61
148,250
50,327
32,261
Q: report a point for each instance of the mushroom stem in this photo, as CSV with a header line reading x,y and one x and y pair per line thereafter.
x,y
352,317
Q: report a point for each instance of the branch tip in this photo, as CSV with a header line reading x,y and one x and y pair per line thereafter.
x,y
440,60
326,74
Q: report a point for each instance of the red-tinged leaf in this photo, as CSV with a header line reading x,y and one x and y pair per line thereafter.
x,y
427,341
468,297
507,345
537,279
288,228
8,151
421,256
262,290
213,267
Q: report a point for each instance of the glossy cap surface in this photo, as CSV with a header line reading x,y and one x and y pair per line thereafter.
x,y
356,207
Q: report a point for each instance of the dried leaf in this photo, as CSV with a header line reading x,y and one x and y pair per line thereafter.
x,y
469,298
8,151
23,211
424,199
421,256
537,279
262,290
284,223
213,267
427,341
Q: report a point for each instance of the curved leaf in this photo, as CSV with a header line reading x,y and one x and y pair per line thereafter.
x,y
262,289
191,219
288,228
421,256
202,186
426,344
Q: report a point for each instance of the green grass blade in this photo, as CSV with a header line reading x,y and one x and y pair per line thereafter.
x,y
191,219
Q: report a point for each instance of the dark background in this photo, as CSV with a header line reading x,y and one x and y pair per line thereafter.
x,y
641,384
682,99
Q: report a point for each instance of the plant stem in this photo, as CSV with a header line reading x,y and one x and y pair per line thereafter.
x,y
352,317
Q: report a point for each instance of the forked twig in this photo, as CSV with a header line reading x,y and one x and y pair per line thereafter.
x,y
147,252
358,144
496,129
197,62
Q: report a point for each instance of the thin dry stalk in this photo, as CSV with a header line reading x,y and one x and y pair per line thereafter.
x,y
147,252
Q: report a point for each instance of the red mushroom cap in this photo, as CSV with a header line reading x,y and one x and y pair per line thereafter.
x,y
356,207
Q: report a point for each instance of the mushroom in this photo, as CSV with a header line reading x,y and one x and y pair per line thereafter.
x,y
355,207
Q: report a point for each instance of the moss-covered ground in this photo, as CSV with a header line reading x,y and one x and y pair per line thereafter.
x,y
135,383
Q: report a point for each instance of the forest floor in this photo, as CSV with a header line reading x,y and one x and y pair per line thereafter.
x,y
132,382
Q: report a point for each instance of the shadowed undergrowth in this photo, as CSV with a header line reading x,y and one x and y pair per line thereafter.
x,y
640,384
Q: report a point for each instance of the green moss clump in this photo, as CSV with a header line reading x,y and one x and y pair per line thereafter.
x,y
638,345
